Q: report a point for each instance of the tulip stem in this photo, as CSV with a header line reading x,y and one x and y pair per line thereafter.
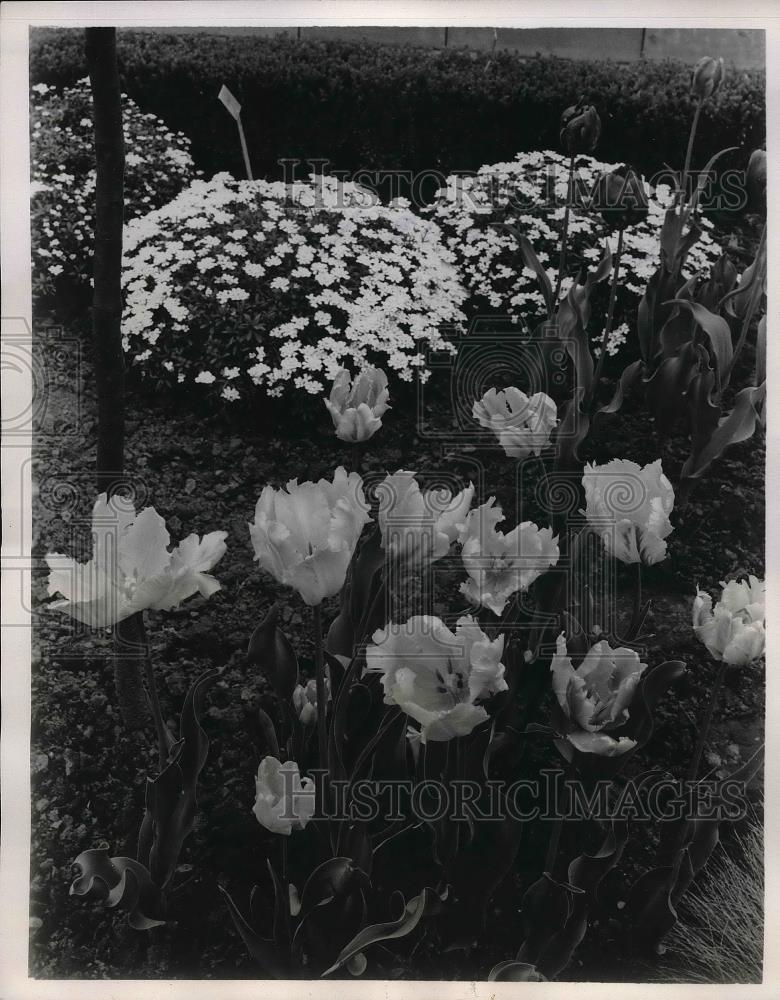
x,y
164,740
322,704
610,315
755,297
555,836
693,768
688,155
564,232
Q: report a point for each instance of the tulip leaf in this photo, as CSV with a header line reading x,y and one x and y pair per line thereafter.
x,y
271,651
649,908
412,914
572,431
532,262
587,870
653,312
545,907
515,972
365,567
651,688
761,351
262,951
560,947
716,328
738,425
572,326
704,176
628,379
171,796
333,879
119,882
665,389
678,329
282,930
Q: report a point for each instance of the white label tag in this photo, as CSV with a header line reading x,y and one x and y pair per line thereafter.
x,y
230,102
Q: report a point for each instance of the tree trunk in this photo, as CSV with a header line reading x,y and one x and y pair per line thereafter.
x,y
107,328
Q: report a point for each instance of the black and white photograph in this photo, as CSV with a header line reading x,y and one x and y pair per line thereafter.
x,y
384,549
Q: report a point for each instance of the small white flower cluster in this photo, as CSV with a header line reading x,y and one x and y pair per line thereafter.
x,y
529,194
157,165
282,285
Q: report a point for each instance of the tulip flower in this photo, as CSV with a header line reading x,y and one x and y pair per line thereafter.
x,y
629,507
435,676
304,701
357,407
580,129
756,180
734,630
416,524
620,197
707,77
595,697
283,800
305,536
498,565
131,568
521,423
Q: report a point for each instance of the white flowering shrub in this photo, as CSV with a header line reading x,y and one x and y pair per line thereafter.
x,y
529,194
62,157
237,284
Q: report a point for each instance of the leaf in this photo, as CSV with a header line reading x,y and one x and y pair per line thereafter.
x,y
653,313
572,431
761,351
262,951
271,651
704,176
628,379
334,878
367,563
665,389
544,909
282,930
678,329
412,914
703,412
588,870
171,797
119,882
716,328
515,972
560,947
649,908
531,261
739,425
572,323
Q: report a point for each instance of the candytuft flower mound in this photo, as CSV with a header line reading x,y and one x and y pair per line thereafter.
x,y
529,194
238,284
62,157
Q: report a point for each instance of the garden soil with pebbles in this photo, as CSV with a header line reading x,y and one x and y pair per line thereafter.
x,y
203,473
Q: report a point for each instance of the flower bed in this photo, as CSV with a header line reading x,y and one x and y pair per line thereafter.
x,y
528,194
157,165
240,283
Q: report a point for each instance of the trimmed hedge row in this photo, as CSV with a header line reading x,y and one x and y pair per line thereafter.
x,y
372,107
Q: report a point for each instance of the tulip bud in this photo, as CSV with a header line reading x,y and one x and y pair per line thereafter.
x,y
580,128
756,181
270,649
620,198
707,77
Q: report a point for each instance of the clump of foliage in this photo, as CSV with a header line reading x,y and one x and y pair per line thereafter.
x,y
158,165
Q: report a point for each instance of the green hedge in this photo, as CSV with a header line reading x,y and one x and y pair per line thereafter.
x,y
365,106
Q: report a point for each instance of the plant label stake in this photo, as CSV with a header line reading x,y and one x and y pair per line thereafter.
x,y
234,109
